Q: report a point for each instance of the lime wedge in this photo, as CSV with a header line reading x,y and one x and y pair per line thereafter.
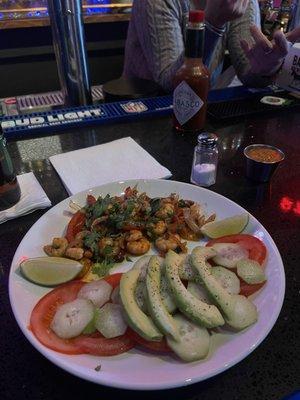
x,y
50,271
227,226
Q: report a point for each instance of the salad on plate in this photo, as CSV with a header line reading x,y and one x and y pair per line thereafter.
x,y
168,302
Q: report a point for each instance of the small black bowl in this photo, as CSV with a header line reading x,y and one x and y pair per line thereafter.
x,y
261,171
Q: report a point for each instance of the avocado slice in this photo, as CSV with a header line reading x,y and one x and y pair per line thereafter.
x,y
239,311
201,313
156,307
136,319
187,271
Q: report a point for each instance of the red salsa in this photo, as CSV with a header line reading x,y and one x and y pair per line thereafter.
x,y
264,154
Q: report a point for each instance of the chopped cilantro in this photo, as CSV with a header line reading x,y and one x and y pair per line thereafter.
x,y
91,242
129,207
155,205
102,268
97,209
107,250
182,204
115,220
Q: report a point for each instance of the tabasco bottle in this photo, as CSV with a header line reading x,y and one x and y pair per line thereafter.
x,y
191,81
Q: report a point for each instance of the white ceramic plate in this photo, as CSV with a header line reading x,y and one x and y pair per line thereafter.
x,y
137,369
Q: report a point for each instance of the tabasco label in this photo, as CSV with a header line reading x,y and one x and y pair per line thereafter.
x,y
186,103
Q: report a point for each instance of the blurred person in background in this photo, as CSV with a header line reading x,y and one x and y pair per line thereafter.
x,y
296,17
155,41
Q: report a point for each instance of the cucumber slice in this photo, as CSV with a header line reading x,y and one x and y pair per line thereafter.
x,y
98,292
227,226
72,318
90,328
199,291
227,279
228,254
115,295
50,271
241,312
194,341
109,320
251,272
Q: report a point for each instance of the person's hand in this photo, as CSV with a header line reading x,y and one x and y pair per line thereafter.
x,y
265,56
219,12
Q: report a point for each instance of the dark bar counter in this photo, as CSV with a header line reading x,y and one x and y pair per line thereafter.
x,y
272,371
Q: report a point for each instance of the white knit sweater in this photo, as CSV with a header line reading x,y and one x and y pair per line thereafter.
x,y
155,41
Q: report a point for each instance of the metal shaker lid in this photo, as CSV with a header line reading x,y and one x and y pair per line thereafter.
x,y
207,139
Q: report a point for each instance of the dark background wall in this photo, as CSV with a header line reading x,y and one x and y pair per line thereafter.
x,y
27,61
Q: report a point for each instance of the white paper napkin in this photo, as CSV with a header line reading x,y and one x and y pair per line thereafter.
x,y
115,161
33,197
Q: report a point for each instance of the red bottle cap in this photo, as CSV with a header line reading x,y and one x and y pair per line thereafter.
x,y
196,16
10,101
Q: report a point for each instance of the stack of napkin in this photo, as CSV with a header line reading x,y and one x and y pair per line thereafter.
x,y
115,161
33,197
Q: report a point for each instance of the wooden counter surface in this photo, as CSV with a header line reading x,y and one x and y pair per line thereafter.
x,y
39,22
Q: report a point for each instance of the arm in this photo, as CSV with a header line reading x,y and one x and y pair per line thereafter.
x,y
240,30
159,32
159,27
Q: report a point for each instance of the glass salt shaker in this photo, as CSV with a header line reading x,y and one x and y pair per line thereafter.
x,y
205,162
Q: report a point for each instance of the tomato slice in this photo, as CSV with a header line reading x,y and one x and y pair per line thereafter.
x,y
90,200
44,312
95,344
75,225
161,347
257,252
100,346
114,280
247,290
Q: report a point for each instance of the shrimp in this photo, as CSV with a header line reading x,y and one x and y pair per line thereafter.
x,y
136,243
75,253
157,229
187,234
133,235
57,248
88,254
105,242
169,242
195,218
166,211
138,247
78,240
